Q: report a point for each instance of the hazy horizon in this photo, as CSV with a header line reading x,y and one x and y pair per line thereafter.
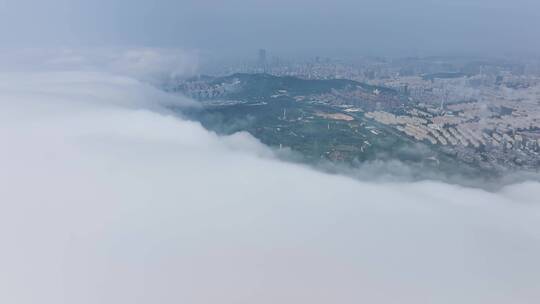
x,y
232,28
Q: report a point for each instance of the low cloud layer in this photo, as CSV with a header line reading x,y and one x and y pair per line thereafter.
x,y
107,197
151,65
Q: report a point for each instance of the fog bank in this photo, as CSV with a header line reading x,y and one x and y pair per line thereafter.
x,y
107,197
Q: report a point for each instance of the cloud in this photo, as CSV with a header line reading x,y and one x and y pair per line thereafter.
x,y
107,197
151,65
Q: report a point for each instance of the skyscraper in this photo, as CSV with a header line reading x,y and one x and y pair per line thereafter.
x,y
262,60
262,57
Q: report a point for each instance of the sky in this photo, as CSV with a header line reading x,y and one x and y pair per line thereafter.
x,y
238,27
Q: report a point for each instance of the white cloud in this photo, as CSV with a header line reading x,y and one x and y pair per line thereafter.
x,y
152,65
108,198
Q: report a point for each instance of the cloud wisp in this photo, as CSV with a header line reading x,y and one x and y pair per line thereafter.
x,y
108,198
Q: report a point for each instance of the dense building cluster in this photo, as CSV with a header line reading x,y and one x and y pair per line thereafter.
x,y
503,128
485,111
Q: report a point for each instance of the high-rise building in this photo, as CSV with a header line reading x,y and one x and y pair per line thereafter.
x,y
262,58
